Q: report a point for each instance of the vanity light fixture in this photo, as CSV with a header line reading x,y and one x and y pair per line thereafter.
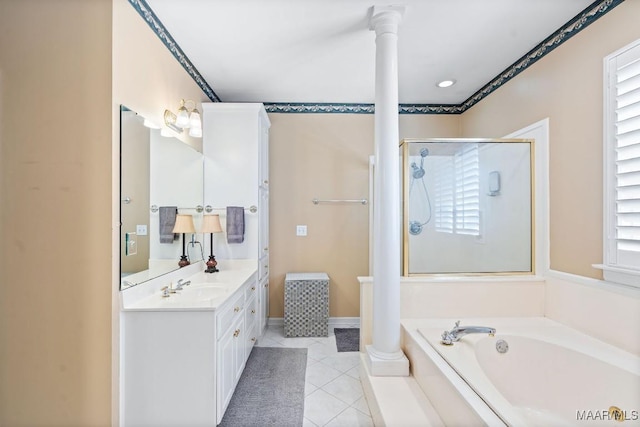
x,y
211,224
187,118
446,83
184,224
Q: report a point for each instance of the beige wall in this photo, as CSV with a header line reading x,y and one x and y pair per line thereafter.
x,y
58,166
566,86
55,251
327,156
147,79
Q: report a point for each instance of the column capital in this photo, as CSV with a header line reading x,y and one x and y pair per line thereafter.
x,y
386,19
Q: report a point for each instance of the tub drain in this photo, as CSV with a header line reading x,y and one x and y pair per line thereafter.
x,y
502,346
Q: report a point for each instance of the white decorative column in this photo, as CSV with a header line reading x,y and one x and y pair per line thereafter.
x,y
384,357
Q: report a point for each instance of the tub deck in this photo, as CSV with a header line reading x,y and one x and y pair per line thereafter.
x,y
455,393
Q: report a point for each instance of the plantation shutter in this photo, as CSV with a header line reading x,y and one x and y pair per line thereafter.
x,y
443,189
622,166
467,190
627,159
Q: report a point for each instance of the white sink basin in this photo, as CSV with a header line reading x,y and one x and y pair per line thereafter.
x,y
203,291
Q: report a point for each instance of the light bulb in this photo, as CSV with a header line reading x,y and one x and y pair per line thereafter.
x,y
446,83
195,132
194,119
182,118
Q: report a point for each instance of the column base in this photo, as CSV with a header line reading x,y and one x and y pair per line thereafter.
x,y
389,365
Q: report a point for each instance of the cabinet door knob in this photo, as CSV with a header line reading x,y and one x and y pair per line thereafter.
x,y
253,312
266,181
236,309
266,249
253,288
253,339
236,332
266,285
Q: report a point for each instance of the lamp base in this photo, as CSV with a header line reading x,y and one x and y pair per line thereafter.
x,y
211,265
183,261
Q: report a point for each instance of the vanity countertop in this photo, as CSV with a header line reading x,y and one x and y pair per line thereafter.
x,y
207,291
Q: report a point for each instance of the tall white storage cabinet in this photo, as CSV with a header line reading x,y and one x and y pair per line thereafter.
x,y
236,173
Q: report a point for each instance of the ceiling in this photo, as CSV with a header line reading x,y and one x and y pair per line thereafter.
x,y
322,51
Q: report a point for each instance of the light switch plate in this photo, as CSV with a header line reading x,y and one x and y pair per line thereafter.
x,y
141,229
301,230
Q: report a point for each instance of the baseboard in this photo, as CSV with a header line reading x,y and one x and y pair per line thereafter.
x,y
334,322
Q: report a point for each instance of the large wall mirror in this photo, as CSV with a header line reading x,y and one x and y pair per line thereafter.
x,y
467,206
157,173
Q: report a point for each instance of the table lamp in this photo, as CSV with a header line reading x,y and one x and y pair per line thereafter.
x,y
211,224
184,224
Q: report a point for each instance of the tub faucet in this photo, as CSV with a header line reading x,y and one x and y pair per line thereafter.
x,y
182,283
454,335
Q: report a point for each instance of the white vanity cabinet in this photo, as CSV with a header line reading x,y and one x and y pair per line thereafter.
x,y
181,365
236,173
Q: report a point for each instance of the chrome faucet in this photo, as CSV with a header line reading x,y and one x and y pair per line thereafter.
x,y
454,335
182,283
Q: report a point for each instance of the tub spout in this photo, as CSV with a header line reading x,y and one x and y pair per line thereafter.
x,y
454,335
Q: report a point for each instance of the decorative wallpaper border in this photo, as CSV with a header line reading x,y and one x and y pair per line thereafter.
x,y
152,20
306,108
590,14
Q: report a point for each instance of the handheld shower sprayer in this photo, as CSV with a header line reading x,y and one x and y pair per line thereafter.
x,y
417,173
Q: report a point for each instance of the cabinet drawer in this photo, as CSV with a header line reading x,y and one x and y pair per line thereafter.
x,y
251,311
250,290
231,312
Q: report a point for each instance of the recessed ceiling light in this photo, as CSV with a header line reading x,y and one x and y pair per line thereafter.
x,y
446,83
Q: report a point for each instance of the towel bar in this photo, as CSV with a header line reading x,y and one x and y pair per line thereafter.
x,y
361,201
209,208
154,208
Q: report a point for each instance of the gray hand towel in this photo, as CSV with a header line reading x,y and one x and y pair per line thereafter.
x,y
167,220
235,224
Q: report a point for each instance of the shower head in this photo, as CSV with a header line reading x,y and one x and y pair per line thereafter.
x,y
424,152
417,171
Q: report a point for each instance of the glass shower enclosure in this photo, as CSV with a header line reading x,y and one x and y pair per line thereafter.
x,y
467,206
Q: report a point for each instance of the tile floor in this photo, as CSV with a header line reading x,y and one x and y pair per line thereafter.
x,y
333,392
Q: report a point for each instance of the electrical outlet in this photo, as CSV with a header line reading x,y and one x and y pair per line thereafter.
x,y
301,230
141,229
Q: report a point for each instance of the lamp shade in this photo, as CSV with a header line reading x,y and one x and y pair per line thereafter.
x,y
184,224
195,132
194,119
182,118
211,224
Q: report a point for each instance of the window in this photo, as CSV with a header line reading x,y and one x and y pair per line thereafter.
x,y
457,192
443,188
467,213
622,166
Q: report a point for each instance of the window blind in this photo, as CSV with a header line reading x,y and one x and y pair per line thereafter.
x,y
627,161
443,193
467,190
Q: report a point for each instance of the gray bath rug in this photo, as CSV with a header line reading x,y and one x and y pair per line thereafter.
x,y
270,391
347,339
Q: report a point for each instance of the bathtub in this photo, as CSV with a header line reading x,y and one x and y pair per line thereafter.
x,y
551,375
